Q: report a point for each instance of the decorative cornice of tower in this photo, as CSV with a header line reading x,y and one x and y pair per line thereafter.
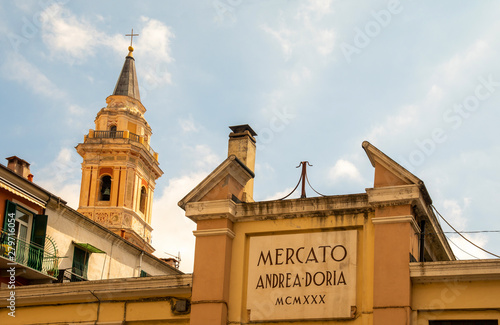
x,y
127,84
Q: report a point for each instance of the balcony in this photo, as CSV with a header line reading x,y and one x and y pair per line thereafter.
x,y
30,261
93,134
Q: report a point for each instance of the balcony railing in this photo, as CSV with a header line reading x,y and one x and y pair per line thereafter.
x,y
28,254
135,137
108,134
122,135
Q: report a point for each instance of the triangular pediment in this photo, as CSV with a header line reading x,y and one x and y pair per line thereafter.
x,y
380,159
390,173
227,181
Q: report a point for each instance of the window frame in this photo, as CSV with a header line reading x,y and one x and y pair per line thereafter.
x,y
101,189
143,199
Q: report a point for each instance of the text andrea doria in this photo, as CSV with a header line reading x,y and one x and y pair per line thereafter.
x,y
302,255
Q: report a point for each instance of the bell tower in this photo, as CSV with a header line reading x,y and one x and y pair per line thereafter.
x,y
120,168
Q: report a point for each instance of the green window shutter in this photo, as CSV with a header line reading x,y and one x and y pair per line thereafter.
x,y
80,263
38,230
10,207
37,241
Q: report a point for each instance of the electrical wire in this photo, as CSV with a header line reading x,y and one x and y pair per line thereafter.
x,y
462,232
451,241
484,250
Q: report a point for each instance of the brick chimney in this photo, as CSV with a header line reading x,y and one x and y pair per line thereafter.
x,y
242,145
20,167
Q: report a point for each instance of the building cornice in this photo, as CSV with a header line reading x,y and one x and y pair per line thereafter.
x,y
398,219
117,146
393,195
104,290
215,232
471,270
277,209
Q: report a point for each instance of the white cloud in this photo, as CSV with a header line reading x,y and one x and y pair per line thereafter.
x,y
154,46
62,176
345,170
325,40
307,48
395,124
283,37
26,5
454,213
282,194
318,8
261,168
467,251
75,39
155,40
453,70
17,68
302,31
187,124
68,36
203,157
172,229
299,75
446,86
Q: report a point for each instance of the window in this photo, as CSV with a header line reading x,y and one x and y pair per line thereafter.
x,y
144,274
112,131
29,232
24,222
80,264
105,191
463,322
142,204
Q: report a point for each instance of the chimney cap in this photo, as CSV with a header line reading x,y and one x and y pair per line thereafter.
x,y
16,158
242,128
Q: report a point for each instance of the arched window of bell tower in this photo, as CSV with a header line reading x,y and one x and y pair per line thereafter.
x,y
105,190
142,203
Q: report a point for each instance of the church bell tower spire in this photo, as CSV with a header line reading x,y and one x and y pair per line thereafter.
x,y
120,168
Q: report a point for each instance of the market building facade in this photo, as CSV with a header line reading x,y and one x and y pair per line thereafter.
x,y
378,257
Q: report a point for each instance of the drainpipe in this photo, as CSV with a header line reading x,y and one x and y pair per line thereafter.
x,y
98,307
110,258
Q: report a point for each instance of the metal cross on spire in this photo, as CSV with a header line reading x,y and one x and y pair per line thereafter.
x,y
131,36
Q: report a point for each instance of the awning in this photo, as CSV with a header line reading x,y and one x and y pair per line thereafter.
x,y
25,196
89,248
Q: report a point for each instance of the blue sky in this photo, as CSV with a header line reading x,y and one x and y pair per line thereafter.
x,y
420,81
